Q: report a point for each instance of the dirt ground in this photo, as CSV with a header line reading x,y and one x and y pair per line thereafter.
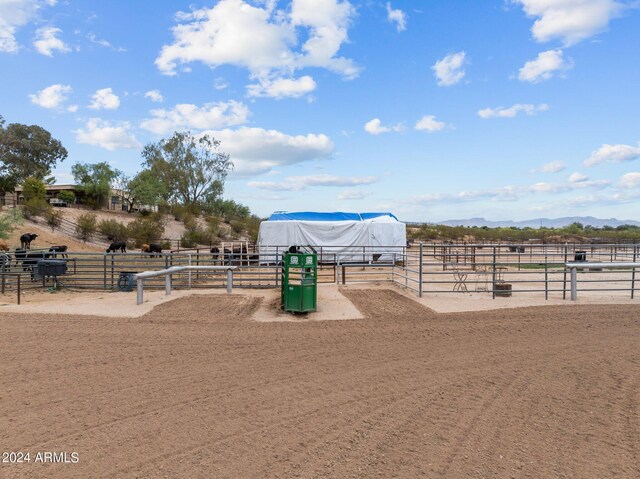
x,y
195,388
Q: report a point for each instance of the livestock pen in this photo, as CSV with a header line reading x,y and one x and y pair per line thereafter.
x,y
425,268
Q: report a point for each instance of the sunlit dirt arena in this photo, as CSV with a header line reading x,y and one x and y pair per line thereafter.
x,y
199,388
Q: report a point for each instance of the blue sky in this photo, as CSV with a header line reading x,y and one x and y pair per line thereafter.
x,y
433,109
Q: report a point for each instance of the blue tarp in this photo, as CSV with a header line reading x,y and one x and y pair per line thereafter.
x,y
316,216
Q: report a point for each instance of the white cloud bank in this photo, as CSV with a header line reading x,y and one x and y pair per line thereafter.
x,y
47,41
107,135
613,154
571,21
450,70
186,116
15,14
297,183
545,66
512,111
264,39
105,99
397,17
630,180
52,96
257,151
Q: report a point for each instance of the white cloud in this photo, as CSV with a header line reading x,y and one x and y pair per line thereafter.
x,y
104,43
52,96
450,70
282,87
512,111
297,183
570,20
155,96
265,40
72,108
613,154
110,136
551,167
220,84
46,41
630,180
186,116
544,67
15,14
375,127
257,151
429,124
577,177
105,99
353,195
398,17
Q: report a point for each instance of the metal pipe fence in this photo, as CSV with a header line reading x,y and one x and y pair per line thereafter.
x,y
493,270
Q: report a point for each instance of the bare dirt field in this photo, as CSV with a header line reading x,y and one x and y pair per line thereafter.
x,y
195,388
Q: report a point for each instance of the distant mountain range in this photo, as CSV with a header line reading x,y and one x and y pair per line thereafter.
x,y
541,222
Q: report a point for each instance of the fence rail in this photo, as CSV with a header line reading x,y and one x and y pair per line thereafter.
x,y
492,270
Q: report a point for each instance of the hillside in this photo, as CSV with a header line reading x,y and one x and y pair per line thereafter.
x,y
65,236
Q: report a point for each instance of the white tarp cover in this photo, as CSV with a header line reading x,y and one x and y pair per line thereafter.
x,y
370,239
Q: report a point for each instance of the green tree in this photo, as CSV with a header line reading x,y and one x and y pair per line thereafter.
x,y
95,180
193,170
67,196
33,188
144,189
26,150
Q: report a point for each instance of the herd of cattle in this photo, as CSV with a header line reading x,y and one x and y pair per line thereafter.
x,y
28,260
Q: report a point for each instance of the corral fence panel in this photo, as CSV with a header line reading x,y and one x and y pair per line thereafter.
x,y
424,268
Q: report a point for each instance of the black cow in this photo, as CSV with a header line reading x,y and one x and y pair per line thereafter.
x,y
152,248
118,245
62,250
26,239
29,260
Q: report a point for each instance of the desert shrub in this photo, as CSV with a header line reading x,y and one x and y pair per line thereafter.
x,y
34,207
53,218
113,230
86,225
145,230
9,221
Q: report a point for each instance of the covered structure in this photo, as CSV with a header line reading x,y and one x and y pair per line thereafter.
x,y
346,237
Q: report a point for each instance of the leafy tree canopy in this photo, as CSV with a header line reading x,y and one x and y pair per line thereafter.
x,y
193,170
95,180
26,150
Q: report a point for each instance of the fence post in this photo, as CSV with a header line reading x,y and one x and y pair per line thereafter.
x,y
189,274
564,279
546,278
420,273
167,285
140,286
19,276
229,281
112,267
105,269
493,283
633,271
574,283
